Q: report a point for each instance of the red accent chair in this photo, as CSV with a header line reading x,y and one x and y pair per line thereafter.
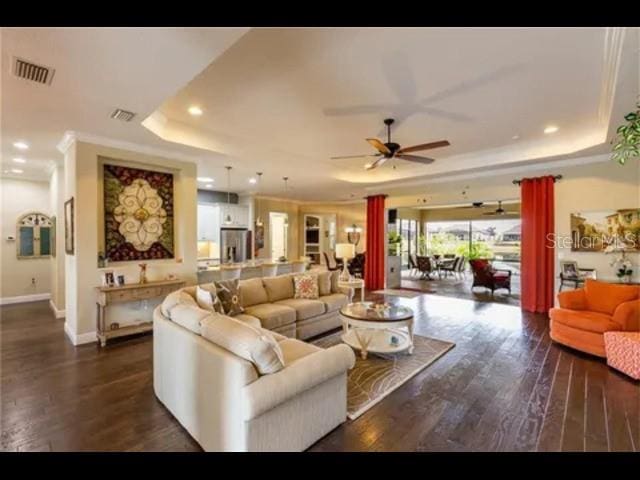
x,y
484,275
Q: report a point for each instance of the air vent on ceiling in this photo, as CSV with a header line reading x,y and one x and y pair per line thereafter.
x,y
123,115
32,72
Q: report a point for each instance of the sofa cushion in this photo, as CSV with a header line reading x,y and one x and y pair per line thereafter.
x,y
293,350
272,315
174,299
208,299
584,320
252,292
324,283
189,316
279,287
304,308
334,301
254,344
249,319
604,297
305,286
229,295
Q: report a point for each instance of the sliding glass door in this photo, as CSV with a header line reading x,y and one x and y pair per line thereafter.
x,y
408,230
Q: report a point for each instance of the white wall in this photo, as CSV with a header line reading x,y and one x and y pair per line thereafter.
x,y
84,183
20,197
56,207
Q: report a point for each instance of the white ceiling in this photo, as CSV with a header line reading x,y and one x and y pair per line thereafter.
x,y
282,101
96,71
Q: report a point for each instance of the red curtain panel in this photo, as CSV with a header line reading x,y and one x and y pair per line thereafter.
x,y
537,270
374,261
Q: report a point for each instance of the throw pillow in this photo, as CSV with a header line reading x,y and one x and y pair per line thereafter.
x,y
254,344
229,295
208,300
305,286
324,283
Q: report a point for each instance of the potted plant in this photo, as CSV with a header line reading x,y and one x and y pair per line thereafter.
x,y
395,242
626,144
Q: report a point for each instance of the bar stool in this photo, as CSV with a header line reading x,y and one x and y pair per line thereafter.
x,y
269,269
230,272
298,266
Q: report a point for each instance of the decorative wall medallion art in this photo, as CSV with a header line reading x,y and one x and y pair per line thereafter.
x,y
138,214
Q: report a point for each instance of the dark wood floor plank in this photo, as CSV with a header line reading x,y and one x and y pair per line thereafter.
x,y
503,387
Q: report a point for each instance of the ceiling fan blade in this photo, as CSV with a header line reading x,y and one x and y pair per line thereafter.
x,y
378,145
353,156
377,163
425,146
415,158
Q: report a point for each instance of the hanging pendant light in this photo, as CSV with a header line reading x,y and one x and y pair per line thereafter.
x,y
259,219
227,219
286,218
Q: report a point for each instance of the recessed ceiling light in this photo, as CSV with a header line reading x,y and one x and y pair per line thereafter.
x,y
515,137
551,129
205,179
208,185
16,170
19,160
253,180
21,145
367,165
195,111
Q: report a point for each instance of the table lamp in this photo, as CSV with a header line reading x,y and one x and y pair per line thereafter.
x,y
345,251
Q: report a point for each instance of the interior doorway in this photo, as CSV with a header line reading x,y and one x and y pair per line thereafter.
x,y
278,233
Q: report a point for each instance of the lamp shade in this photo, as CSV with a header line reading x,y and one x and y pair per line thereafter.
x,y
345,250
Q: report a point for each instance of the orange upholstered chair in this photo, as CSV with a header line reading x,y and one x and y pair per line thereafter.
x,y
586,314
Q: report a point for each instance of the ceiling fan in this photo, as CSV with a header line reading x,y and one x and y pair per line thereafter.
x,y
499,210
391,150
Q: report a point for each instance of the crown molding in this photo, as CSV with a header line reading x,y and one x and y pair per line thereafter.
x,y
613,43
310,202
70,137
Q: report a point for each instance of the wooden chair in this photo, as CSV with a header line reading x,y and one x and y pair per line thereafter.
x,y
230,272
331,262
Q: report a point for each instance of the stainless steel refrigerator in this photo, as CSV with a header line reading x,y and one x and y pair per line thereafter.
x,y
235,245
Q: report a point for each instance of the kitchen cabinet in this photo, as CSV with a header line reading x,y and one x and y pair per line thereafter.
x,y
209,223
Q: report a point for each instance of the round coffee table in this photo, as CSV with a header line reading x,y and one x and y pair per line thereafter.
x,y
378,330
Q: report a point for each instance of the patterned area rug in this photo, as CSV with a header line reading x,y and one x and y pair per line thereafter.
x,y
380,374
400,292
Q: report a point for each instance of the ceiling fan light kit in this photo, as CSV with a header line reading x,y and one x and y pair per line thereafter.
x,y
390,150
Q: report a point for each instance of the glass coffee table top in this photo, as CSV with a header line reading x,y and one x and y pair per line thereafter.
x,y
376,312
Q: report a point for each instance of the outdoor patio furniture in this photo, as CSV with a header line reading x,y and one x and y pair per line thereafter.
x,y
413,263
450,266
484,275
425,267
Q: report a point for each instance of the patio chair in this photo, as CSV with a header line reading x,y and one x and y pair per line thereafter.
x,y
413,263
484,275
425,267
450,267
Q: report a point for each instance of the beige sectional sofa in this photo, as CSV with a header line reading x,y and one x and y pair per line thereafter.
x,y
271,301
222,400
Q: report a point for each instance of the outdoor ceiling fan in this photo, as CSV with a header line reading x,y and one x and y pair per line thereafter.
x,y
500,210
391,150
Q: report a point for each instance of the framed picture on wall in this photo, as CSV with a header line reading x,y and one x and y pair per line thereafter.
x,y
52,236
69,245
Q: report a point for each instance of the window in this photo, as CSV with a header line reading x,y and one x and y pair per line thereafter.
x,y
34,232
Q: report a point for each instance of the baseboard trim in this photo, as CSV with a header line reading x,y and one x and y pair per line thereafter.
x,y
81,339
56,312
37,297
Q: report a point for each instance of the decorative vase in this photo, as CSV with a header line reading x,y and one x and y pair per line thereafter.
x,y
143,273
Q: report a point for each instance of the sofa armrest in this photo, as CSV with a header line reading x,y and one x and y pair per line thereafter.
x,y
269,391
627,315
573,299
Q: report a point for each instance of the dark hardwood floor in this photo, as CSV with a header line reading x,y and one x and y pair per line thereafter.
x,y
505,386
